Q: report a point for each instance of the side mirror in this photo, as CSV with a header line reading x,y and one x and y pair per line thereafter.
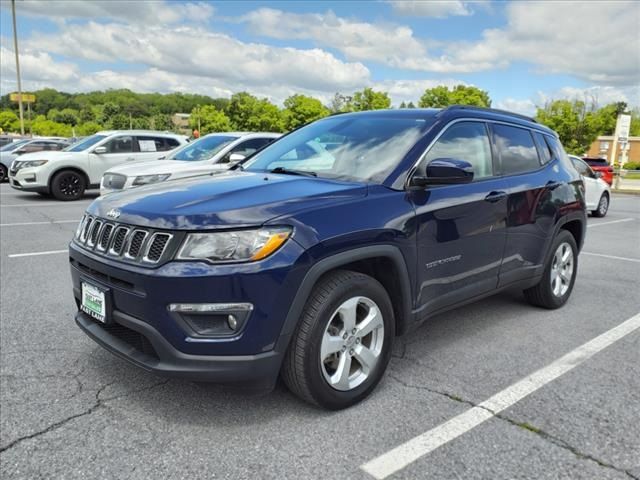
x,y
100,150
444,171
236,157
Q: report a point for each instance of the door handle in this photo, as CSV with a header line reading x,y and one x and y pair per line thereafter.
x,y
494,197
551,185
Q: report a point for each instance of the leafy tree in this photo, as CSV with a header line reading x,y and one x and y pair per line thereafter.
x,y
410,105
88,128
403,105
247,112
9,121
634,130
368,99
161,121
576,126
441,96
339,103
300,109
67,115
42,126
211,120
119,121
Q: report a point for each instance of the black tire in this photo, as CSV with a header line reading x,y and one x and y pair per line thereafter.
x,y
302,368
3,174
603,206
68,185
542,295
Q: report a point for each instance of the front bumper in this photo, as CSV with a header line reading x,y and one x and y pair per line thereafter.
x,y
28,180
143,331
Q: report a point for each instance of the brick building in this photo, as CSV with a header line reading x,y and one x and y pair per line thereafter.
x,y
602,146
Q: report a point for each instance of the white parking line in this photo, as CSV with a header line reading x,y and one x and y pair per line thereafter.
x,y
407,453
33,254
35,204
612,257
38,223
609,223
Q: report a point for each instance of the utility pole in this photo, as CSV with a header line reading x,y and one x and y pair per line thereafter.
x,y
15,50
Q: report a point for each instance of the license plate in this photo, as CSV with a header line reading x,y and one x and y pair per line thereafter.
x,y
93,302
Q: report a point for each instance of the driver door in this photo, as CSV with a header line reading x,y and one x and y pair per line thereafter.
x,y
119,150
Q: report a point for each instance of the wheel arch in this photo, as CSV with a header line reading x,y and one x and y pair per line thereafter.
x,y
371,260
68,168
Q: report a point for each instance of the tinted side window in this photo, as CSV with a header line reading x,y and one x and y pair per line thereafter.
x,y
466,141
516,151
120,145
543,149
171,143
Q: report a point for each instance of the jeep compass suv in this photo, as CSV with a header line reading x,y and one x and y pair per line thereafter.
x,y
308,259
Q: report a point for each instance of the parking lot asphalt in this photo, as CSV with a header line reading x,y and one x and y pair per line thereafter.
x,y
69,409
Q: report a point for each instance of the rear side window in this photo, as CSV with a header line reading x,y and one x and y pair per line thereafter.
x,y
466,141
543,148
155,144
516,151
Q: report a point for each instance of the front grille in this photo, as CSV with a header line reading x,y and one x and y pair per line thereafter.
x,y
114,181
139,245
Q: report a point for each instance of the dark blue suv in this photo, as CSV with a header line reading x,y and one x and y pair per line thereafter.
x,y
310,257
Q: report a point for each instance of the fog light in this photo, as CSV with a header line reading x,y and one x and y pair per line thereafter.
x,y
30,178
233,322
209,320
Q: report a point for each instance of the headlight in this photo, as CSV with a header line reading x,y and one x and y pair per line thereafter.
x,y
17,164
147,179
238,246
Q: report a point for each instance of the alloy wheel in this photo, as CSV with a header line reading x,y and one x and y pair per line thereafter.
x,y
70,185
603,206
352,343
562,269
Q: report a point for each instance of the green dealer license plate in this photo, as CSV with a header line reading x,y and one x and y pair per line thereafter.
x,y
93,302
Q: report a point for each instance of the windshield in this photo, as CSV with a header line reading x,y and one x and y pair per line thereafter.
x,y
202,149
85,144
13,145
362,148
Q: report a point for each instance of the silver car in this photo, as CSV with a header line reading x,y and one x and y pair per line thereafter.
x,y
11,151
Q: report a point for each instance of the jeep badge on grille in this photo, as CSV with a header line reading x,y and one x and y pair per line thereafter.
x,y
113,213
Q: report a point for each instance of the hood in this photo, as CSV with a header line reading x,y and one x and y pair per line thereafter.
x,y
154,167
228,199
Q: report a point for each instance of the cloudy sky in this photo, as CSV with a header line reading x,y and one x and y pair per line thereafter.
x,y
523,53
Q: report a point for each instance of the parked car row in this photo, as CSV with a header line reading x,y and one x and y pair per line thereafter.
x,y
308,258
67,173
11,151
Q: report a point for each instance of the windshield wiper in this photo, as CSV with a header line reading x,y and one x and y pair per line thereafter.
x,y
288,171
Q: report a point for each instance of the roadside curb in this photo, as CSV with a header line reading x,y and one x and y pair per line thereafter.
x,y
626,191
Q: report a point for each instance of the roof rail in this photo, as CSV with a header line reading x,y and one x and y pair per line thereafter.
x,y
487,109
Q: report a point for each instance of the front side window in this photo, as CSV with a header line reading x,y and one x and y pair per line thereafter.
x,y
120,145
85,144
364,148
203,148
247,148
466,141
516,151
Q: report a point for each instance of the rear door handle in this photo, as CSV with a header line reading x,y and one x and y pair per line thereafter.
x,y
494,197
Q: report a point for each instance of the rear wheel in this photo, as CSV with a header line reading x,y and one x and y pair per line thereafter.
x,y
3,173
342,345
559,275
603,206
68,185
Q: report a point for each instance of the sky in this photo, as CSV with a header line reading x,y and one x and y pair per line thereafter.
x,y
523,53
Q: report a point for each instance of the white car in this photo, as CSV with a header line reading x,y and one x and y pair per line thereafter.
x,y
216,151
597,192
68,173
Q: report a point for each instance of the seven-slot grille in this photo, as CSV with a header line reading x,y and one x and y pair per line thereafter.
x,y
117,240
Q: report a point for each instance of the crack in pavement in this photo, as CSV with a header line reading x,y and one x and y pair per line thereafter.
x,y
558,442
99,403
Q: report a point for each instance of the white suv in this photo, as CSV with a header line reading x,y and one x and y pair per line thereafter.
x,y
68,173
211,153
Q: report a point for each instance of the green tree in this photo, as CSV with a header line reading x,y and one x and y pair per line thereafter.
x,y
339,103
66,115
634,130
119,121
410,105
88,128
247,112
161,121
576,126
403,104
300,109
368,99
42,126
211,120
9,121
441,96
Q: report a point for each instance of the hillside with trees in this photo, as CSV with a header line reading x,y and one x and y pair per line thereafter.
x,y
66,114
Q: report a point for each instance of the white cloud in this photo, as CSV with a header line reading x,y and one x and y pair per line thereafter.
x,y
594,41
599,95
523,106
435,9
198,52
149,12
389,44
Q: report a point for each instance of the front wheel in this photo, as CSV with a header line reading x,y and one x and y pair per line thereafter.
x,y
68,185
3,173
342,345
603,206
559,275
